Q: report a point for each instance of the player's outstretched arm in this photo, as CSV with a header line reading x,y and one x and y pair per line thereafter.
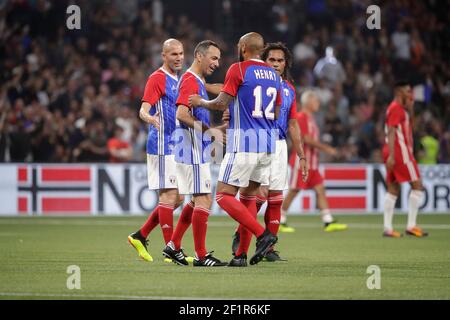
x,y
144,114
319,145
220,103
296,137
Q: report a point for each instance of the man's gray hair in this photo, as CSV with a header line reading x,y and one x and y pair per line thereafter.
x,y
308,94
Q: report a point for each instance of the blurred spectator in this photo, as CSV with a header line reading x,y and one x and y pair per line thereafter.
x,y
93,147
333,125
401,43
118,148
304,51
342,105
20,146
444,148
281,11
330,69
429,148
417,49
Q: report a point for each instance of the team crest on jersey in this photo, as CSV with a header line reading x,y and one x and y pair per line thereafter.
x,y
286,92
174,88
172,179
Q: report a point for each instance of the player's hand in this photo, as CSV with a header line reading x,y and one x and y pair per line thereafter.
x,y
226,115
151,120
217,135
154,120
390,163
223,128
332,151
305,169
194,100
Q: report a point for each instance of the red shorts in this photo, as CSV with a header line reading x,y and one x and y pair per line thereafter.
x,y
314,179
403,172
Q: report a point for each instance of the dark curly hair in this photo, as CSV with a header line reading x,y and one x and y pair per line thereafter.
x,y
287,56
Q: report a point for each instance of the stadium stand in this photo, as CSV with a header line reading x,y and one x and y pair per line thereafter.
x,y
63,92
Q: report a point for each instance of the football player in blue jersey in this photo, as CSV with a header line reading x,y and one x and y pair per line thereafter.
x,y
158,110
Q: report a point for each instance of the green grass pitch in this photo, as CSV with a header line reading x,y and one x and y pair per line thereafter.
x,y
36,251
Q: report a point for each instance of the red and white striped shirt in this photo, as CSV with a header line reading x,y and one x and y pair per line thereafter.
x,y
396,116
309,127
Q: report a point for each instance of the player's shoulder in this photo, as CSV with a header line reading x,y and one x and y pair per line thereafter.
x,y
394,106
189,81
158,74
255,62
304,118
188,78
289,84
235,67
242,66
301,115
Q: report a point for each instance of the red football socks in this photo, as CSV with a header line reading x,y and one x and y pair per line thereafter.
x,y
151,223
259,202
239,213
166,220
273,212
199,227
184,221
245,235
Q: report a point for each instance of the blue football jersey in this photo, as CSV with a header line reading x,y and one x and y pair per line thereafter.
x,y
256,89
288,109
191,146
161,92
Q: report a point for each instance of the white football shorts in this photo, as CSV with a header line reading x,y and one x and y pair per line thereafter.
x,y
161,172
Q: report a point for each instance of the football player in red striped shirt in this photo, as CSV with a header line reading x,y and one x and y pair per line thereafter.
x,y
312,145
400,163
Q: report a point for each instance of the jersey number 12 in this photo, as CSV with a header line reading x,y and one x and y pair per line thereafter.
x,y
268,111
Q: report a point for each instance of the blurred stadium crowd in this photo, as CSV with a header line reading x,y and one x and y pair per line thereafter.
x,y
74,95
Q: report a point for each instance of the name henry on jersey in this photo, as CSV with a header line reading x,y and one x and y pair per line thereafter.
x,y
264,74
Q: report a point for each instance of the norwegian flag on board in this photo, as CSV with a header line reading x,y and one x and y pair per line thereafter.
x,y
54,189
346,188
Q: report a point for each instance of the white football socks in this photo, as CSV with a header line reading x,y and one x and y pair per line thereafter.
x,y
389,204
326,216
415,198
283,217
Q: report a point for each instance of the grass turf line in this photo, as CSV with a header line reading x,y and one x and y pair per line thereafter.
x,y
36,251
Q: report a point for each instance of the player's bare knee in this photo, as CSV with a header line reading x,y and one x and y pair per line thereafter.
x,y
169,196
226,188
264,191
394,189
180,200
320,190
252,189
204,201
417,185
